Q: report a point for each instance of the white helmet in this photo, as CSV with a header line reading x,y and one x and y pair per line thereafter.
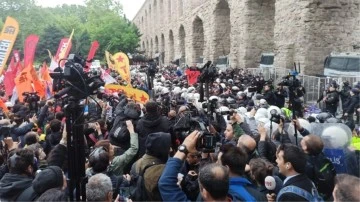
x,y
196,96
177,90
164,91
214,98
223,85
262,111
223,110
277,109
335,136
217,80
241,110
190,89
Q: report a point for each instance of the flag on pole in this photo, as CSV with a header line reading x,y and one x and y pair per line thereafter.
x,y
122,66
92,51
130,92
7,39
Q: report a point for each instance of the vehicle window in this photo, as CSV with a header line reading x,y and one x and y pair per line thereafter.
x,y
267,60
222,61
353,64
337,63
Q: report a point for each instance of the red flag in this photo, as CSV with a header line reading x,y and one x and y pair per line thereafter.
x,y
29,51
93,49
65,43
9,77
192,76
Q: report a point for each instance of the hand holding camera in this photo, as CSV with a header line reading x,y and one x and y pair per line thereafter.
x,y
191,140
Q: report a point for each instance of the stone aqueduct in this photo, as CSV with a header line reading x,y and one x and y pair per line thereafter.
x,y
304,31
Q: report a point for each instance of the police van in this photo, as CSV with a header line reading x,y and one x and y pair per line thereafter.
x,y
342,64
267,60
222,63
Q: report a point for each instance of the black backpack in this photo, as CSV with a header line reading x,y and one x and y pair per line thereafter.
x,y
140,193
324,175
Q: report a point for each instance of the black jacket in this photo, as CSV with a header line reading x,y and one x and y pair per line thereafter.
x,y
267,150
332,99
150,123
12,185
270,98
301,181
351,104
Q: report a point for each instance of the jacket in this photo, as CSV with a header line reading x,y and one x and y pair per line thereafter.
x,y
150,124
241,189
119,162
270,98
351,104
332,99
12,185
168,187
301,181
267,150
17,131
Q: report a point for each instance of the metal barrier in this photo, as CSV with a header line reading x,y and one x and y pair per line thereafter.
x,y
314,86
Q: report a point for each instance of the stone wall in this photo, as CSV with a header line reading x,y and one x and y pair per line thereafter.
x,y
304,31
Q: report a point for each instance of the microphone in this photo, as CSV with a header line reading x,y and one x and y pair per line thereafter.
x,y
270,184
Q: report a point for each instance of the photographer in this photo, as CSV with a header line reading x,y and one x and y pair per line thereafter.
x,y
213,178
280,94
269,95
331,99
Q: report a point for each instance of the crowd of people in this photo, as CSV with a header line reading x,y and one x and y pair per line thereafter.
x,y
234,143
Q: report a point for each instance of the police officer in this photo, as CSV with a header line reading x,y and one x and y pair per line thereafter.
x,y
332,99
345,95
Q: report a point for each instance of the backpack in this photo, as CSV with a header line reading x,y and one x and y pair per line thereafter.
x,y
313,197
140,193
324,175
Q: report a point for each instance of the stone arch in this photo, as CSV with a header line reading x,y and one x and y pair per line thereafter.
x,y
147,48
156,44
182,36
155,12
222,29
151,48
169,10
181,7
162,48
198,39
161,10
171,45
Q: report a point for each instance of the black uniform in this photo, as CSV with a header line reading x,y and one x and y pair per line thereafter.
x,y
332,101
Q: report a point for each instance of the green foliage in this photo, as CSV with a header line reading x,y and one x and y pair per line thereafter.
x,y
100,20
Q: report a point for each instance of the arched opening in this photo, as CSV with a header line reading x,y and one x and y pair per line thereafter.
x,y
150,19
182,36
151,48
146,20
171,46
155,12
162,48
198,40
161,11
222,29
143,46
156,44
147,49
169,10
181,7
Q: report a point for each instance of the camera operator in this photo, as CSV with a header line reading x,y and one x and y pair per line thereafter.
x,y
351,105
345,94
269,95
281,94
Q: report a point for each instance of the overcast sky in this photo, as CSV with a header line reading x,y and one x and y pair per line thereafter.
x,y
131,7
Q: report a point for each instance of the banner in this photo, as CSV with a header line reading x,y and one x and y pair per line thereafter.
x,y
192,76
44,73
29,50
7,40
23,82
122,66
109,60
106,77
93,49
10,75
38,85
65,50
130,92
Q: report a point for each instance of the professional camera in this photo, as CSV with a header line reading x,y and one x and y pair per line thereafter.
x,y
275,117
186,124
32,99
73,81
290,81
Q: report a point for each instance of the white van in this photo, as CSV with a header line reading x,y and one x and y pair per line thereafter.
x,y
342,64
267,60
222,63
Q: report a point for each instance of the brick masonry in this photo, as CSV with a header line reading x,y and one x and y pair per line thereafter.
x,y
304,31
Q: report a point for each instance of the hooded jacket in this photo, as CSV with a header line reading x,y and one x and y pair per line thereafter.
x,y
150,123
12,185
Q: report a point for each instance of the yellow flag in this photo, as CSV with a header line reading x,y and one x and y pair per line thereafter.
x,y
122,65
109,60
7,40
130,92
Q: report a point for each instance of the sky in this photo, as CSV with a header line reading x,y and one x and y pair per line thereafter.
x,y
130,7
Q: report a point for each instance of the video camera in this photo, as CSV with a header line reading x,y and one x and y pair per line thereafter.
x,y
290,81
73,81
206,141
32,99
